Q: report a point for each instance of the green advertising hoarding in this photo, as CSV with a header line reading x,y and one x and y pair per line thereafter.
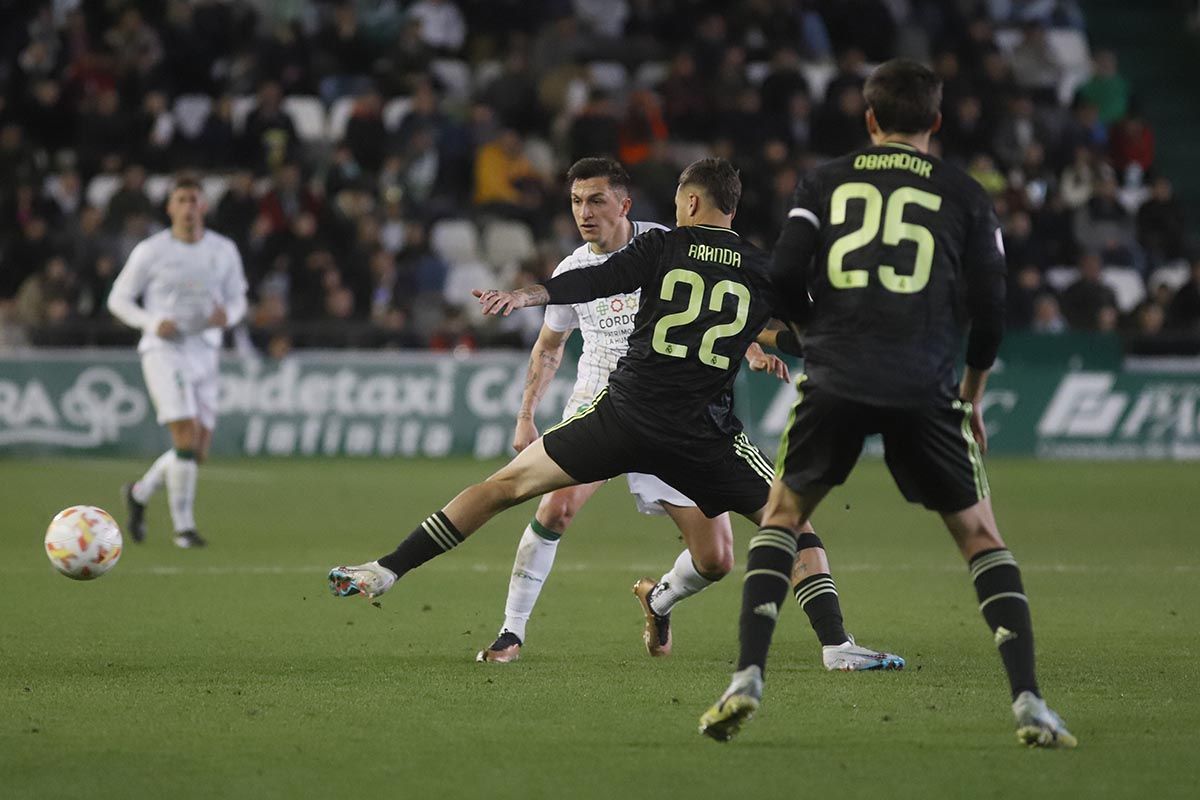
x,y
433,405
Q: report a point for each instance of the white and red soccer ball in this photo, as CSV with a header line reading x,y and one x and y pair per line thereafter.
x,y
83,542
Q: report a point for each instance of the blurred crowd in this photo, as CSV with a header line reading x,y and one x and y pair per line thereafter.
x,y
376,159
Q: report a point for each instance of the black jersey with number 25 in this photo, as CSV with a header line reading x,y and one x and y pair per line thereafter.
x,y
705,297
904,242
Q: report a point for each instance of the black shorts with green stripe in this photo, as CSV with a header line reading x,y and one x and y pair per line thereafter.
x,y
930,450
730,474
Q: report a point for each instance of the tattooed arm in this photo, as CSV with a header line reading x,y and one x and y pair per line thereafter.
x,y
543,364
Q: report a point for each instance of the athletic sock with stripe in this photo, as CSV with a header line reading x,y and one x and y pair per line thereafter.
x,y
764,590
434,536
1005,608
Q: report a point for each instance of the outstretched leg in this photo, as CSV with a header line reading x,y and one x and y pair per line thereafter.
x,y
528,475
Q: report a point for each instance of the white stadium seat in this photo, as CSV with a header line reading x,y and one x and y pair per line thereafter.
x,y
454,75
541,155
215,187
650,74
1173,275
157,187
486,72
240,110
819,76
455,240
191,112
507,242
463,277
308,115
1059,278
1128,286
610,76
339,117
394,112
757,72
101,189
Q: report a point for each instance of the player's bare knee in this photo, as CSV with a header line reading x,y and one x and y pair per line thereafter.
x,y
556,513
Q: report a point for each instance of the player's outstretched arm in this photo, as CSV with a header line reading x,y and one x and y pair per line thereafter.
x,y
498,301
544,359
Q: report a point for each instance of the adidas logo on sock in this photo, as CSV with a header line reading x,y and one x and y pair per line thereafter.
x,y
1003,635
768,610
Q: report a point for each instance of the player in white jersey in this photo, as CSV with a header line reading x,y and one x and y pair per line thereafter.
x,y
192,286
600,203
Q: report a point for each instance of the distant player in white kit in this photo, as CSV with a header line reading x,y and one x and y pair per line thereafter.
x,y
600,203
192,286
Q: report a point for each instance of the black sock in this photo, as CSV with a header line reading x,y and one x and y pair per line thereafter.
x,y
768,576
434,536
818,597
1006,611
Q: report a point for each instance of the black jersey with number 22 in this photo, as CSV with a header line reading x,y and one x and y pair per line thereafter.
x,y
705,296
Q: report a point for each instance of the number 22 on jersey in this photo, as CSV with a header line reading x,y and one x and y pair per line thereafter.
x,y
895,231
694,285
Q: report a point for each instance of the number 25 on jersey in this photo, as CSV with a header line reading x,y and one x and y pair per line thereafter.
x,y
895,231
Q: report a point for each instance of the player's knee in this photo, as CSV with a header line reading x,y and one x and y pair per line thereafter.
x,y
715,564
556,514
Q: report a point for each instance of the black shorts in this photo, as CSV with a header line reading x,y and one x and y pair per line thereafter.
x,y
930,450
723,475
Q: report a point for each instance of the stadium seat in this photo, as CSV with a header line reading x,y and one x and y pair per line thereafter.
x,y
1059,278
339,117
1128,286
541,155
454,75
157,187
455,240
308,115
650,74
1172,275
465,276
819,77
757,72
101,189
242,106
486,72
1071,48
215,187
609,76
191,112
507,242
394,112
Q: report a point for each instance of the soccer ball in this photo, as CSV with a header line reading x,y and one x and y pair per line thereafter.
x,y
83,542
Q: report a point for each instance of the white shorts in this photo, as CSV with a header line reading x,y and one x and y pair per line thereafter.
x,y
183,383
649,492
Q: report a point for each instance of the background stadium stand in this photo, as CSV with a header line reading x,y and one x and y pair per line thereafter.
x,y
376,159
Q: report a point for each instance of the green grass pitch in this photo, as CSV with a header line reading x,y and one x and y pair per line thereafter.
x,y
231,672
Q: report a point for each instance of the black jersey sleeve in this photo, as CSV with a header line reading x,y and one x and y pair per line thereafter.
x,y
798,242
625,271
986,286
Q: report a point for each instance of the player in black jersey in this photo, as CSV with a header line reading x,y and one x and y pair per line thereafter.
x,y
668,406
888,257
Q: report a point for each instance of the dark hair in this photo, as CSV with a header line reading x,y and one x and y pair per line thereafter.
x,y
601,167
905,96
186,182
719,180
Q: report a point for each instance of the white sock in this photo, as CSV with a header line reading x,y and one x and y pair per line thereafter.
x,y
152,481
181,492
682,581
531,567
